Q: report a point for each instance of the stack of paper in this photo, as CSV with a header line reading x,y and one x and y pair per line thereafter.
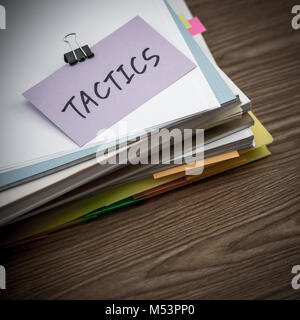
x,y
151,70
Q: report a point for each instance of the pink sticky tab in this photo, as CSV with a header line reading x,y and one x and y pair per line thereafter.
x,y
197,26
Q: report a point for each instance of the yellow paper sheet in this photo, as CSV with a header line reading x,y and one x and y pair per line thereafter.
x,y
184,21
208,161
69,212
247,157
262,136
251,155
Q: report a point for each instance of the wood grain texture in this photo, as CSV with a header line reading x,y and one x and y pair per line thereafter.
x,y
233,236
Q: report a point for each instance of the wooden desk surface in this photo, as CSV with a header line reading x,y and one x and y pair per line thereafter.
x,y
236,235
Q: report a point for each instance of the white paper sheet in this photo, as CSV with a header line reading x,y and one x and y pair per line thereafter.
x,y
32,48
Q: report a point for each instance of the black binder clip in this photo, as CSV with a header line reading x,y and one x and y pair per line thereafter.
x,y
79,54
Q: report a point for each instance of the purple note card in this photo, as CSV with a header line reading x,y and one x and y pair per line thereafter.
x,y
130,66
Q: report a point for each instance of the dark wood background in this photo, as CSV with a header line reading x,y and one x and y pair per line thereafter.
x,y
233,236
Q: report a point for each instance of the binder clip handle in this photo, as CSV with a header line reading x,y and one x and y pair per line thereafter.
x,y
79,54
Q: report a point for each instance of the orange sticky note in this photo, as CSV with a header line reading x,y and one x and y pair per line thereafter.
x,y
194,165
